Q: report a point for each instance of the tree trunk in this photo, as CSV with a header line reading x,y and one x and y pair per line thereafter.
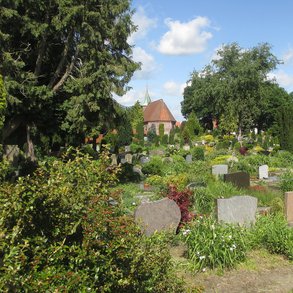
x,y
30,153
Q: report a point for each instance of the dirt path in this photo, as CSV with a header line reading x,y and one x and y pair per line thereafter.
x,y
262,272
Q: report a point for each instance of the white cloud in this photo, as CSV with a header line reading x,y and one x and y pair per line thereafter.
x,y
288,56
148,64
283,79
143,23
172,88
185,38
129,98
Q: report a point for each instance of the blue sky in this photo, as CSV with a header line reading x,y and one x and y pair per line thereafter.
x,y
174,38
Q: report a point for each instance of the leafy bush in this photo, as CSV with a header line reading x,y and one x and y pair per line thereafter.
x,y
273,233
154,167
64,231
286,183
197,153
213,245
183,200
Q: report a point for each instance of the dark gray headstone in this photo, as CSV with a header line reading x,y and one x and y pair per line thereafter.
x,y
237,209
161,215
239,179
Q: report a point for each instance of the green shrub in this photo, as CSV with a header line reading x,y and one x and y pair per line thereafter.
x,y
154,167
273,233
213,245
62,230
286,183
197,153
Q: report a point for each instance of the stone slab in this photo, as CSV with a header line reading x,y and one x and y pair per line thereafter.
x,y
237,210
289,206
161,215
239,179
263,172
219,170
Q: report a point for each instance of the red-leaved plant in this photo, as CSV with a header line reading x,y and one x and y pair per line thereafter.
x,y
183,200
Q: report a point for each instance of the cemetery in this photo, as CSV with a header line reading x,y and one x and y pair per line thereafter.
x,y
100,197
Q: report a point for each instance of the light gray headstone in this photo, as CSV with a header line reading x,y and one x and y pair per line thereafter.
x,y
188,158
186,147
219,169
127,148
144,160
128,158
237,209
137,170
123,161
263,172
114,159
161,215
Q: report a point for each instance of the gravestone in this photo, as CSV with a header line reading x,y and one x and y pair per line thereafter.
x,y
239,179
167,160
161,215
114,159
237,209
137,169
128,158
144,159
188,158
127,148
157,152
186,147
289,206
263,172
123,161
219,170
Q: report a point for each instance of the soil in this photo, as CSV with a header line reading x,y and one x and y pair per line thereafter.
x,y
261,272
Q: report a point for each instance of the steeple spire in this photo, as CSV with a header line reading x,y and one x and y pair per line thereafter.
x,y
147,99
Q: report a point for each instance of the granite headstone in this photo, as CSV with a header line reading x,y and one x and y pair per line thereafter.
x,y
237,209
161,215
239,179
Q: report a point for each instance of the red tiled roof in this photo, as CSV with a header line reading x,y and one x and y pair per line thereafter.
x,y
157,111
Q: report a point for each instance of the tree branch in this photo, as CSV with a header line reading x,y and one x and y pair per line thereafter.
x,y
66,74
62,60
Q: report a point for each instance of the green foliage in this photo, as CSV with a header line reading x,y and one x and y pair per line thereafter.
x,y
285,128
198,153
214,245
135,114
62,228
273,233
2,102
286,183
151,135
230,88
154,167
140,133
62,63
165,139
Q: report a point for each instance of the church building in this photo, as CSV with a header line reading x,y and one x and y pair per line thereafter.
x,y
156,113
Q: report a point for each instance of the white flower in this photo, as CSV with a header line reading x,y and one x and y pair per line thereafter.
x,y
186,232
204,269
230,236
133,203
202,257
